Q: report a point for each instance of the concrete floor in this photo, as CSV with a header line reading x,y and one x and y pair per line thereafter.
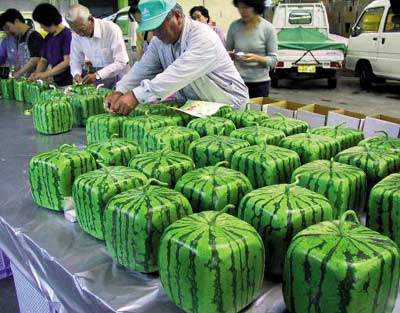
x,y
8,297
381,99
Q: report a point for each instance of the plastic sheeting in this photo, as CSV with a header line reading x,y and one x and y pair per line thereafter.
x,y
72,270
307,39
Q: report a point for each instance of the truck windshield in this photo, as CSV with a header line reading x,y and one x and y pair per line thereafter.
x,y
300,17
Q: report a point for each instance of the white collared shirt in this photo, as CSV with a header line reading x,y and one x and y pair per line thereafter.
x,y
106,50
196,67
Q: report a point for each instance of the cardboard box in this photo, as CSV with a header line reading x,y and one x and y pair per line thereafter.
x,y
377,122
259,104
352,119
287,108
314,114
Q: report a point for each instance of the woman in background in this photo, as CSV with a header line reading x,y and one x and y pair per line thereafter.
x,y
200,13
252,42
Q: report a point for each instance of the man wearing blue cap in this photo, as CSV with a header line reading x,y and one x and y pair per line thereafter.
x,y
186,58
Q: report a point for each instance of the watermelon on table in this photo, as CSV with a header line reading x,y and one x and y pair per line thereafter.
x,y
33,89
114,151
383,214
345,186
154,109
311,147
347,137
265,165
52,117
212,125
211,262
7,88
341,266
103,126
52,173
19,85
93,190
166,166
83,89
288,125
377,164
54,94
85,106
211,150
383,142
176,138
213,187
136,128
278,213
247,117
224,111
258,135
135,220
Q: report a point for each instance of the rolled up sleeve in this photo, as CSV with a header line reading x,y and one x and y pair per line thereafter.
x,y
272,48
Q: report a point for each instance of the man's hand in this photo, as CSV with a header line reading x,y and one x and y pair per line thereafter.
x,y
251,58
111,100
125,104
89,79
77,79
41,75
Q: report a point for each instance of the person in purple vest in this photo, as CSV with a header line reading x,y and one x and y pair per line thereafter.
x,y
54,56
21,48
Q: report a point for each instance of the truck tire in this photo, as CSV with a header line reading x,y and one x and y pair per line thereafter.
x,y
274,82
332,82
366,76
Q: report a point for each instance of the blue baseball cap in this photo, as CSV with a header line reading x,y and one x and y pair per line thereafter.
x,y
154,13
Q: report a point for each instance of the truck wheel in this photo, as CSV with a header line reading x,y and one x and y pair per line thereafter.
x,y
274,82
332,82
366,76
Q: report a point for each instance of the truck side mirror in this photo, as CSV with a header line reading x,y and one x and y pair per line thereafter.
x,y
355,31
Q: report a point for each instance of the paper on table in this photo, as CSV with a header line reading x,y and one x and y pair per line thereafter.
x,y
200,108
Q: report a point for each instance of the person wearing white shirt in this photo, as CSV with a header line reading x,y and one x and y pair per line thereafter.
x,y
101,42
186,57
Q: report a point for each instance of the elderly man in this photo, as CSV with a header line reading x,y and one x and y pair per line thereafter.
x,y
101,42
186,58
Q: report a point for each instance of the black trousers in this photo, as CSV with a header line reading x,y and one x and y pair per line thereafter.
x,y
260,89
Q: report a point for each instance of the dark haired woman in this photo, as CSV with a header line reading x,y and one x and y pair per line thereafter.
x,y
253,42
56,48
200,13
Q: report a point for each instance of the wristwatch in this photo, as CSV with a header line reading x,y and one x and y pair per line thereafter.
x,y
97,76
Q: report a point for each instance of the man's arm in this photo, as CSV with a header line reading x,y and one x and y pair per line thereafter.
x,y
3,52
77,57
35,45
28,67
120,56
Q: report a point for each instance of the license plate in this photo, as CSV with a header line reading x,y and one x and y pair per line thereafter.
x,y
306,68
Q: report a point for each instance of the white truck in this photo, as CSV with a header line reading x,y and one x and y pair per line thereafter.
x,y
306,49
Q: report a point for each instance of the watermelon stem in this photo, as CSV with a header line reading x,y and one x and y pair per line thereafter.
x,y
343,219
154,181
218,213
339,125
281,115
221,132
219,164
102,165
62,147
383,132
114,136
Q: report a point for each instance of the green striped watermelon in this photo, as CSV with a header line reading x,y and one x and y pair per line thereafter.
x,y
103,126
247,117
212,125
92,191
7,88
166,166
54,94
154,108
136,128
288,125
85,106
347,137
135,220
377,164
344,185
52,117
211,150
32,91
211,262
265,165
257,135
83,89
176,138
341,267
383,142
52,173
311,147
224,111
19,85
213,187
384,207
114,151
278,213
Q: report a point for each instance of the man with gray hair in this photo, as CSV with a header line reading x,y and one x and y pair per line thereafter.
x,y
186,58
101,42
